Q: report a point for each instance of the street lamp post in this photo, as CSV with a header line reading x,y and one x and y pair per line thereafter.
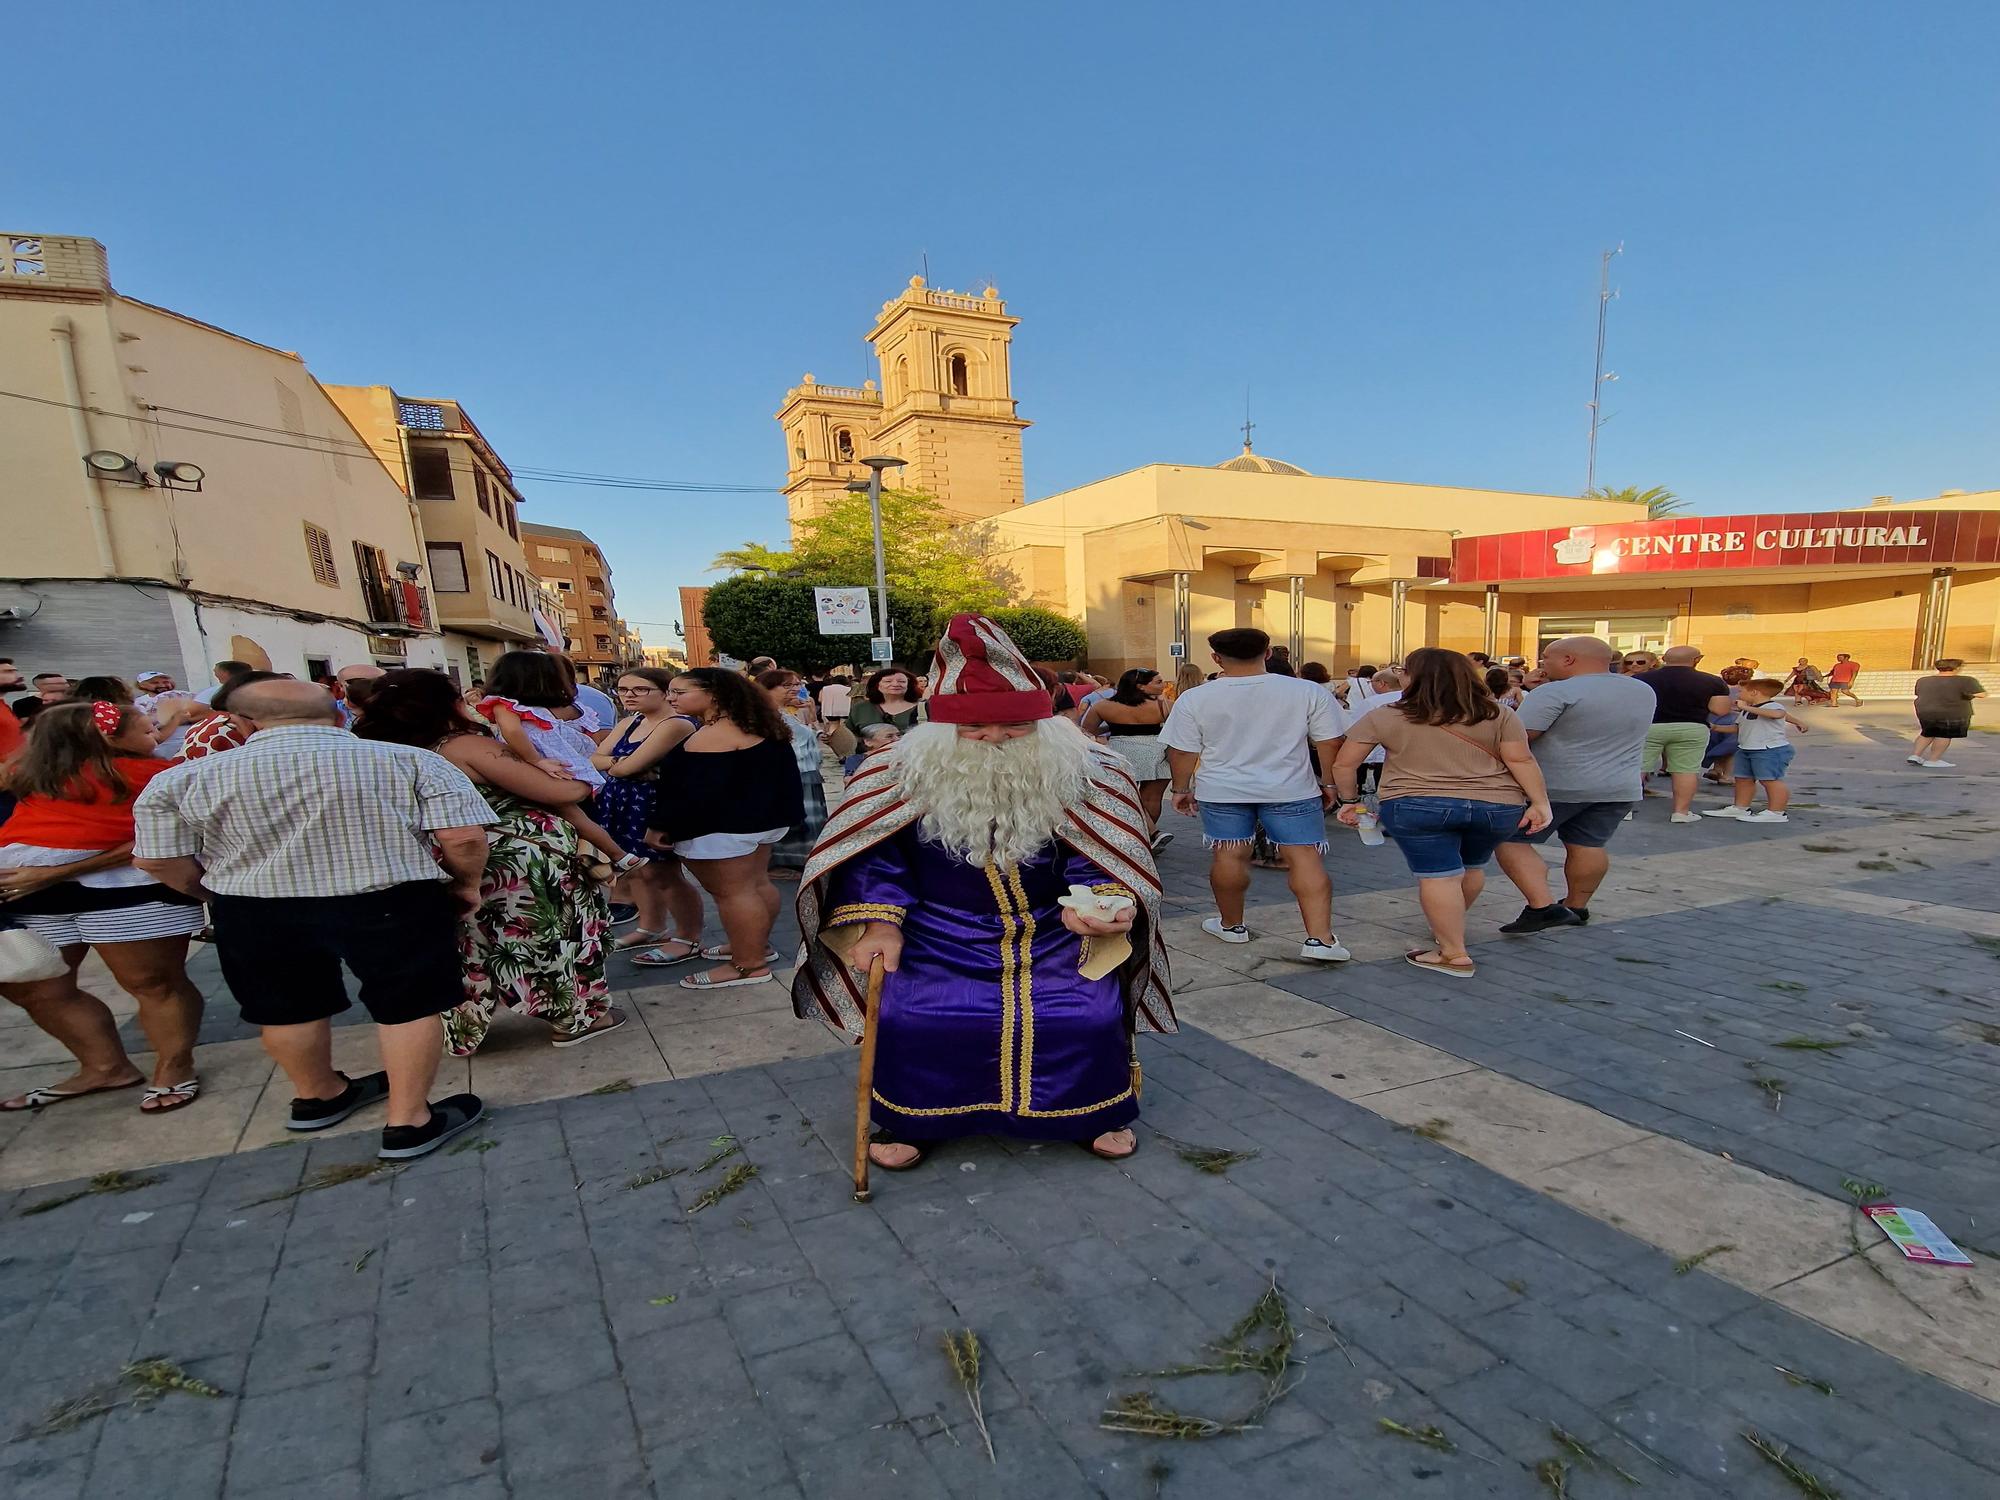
x,y
876,465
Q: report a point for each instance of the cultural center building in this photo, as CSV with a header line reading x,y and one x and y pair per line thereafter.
x,y
1347,571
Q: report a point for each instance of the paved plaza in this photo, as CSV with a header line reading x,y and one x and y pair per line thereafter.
x,y
1478,1202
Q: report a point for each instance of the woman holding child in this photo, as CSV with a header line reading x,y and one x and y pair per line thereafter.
x,y
536,943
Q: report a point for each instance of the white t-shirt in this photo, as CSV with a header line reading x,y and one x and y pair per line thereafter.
x,y
1761,731
1251,735
835,699
1379,755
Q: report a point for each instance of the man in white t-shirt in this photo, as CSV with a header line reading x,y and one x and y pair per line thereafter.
x,y
1237,745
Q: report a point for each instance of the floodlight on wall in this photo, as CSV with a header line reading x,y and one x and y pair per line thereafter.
x,y
175,475
102,463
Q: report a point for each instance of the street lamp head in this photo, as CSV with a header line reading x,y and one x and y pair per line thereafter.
x,y
857,486
880,462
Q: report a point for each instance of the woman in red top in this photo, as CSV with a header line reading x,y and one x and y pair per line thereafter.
x,y
66,873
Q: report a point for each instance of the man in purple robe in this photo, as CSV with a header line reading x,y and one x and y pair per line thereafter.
x,y
1004,1011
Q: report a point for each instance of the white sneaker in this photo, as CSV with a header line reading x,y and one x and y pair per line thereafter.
x,y
1731,811
1324,953
1686,817
1214,928
1939,765
1765,815
1915,760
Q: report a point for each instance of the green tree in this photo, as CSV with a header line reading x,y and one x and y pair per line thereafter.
x,y
753,557
926,558
1042,634
750,615
1658,502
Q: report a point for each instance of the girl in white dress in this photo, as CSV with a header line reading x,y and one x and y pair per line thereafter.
x,y
533,709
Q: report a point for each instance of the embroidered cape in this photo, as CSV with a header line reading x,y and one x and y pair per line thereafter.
x,y
1108,829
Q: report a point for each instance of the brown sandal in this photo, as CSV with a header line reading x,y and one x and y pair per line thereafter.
x,y
1415,959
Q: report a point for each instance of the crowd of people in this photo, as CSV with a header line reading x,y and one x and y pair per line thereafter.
x,y
460,853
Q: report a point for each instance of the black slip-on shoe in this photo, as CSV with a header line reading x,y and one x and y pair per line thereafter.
x,y
449,1117
1581,913
317,1114
1540,919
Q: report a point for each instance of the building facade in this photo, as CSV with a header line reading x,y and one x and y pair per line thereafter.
x,y
482,588
943,402
1348,571
573,566
174,495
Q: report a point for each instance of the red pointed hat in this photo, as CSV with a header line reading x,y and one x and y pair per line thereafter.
x,y
981,677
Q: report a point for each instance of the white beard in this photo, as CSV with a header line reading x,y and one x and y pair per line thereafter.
x,y
992,803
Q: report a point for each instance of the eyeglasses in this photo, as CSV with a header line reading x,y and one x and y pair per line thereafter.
x,y
647,688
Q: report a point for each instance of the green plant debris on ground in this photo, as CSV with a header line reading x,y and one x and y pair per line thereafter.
x,y
1214,1160
1812,1044
1826,848
1688,1262
667,1301
1140,1413
725,1146
1434,1129
1788,986
1517,1287
1987,1033
1554,1475
1877,864
1863,1193
1588,1456
1429,1435
1626,958
1991,944
1562,999
362,1264
733,1179
616,1086
103,1182
1773,1087
1260,1344
651,1176
1793,1377
962,1349
332,1177
1803,1479
140,1383
481,1146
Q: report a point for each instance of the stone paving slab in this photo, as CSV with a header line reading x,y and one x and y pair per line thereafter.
x,y
519,1321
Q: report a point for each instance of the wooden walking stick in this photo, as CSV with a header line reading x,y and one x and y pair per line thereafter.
x,y
864,1083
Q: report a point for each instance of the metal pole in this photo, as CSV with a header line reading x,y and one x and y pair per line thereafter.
x,y
881,572
1604,295
1399,594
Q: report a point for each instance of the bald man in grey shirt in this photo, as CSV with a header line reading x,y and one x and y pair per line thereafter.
x,y
1587,727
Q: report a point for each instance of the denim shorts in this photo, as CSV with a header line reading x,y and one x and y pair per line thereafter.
x,y
1580,825
1443,837
1764,765
1300,822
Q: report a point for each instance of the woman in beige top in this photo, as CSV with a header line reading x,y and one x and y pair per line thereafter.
x,y
1457,781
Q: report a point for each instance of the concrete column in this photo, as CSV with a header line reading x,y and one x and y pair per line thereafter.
x,y
1399,597
1183,614
1296,636
1491,645
1936,616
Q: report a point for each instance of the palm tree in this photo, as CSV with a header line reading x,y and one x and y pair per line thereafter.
x,y
753,557
1659,502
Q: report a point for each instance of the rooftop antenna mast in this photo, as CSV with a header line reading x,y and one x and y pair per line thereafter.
x,y
1600,377
1247,423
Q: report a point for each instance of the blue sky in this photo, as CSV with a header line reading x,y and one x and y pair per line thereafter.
x,y
617,232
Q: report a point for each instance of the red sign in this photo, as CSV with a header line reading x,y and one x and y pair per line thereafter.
x,y
1684,544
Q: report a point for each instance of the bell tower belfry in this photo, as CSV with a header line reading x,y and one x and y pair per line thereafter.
x,y
945,405
948,397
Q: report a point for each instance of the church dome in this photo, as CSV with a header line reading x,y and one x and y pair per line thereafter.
x,y
1248,462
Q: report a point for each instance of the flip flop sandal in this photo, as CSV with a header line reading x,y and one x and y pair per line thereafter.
x,y
43,1098
923,1152
703,982
658,958
720,954
175,1096
638,937
1414,958
1091,1146
610,1022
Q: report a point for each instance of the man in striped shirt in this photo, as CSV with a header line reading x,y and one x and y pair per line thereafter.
x,y
314,849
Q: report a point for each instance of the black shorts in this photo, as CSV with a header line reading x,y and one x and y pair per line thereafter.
x,y
281,956
1944,729
1580,825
